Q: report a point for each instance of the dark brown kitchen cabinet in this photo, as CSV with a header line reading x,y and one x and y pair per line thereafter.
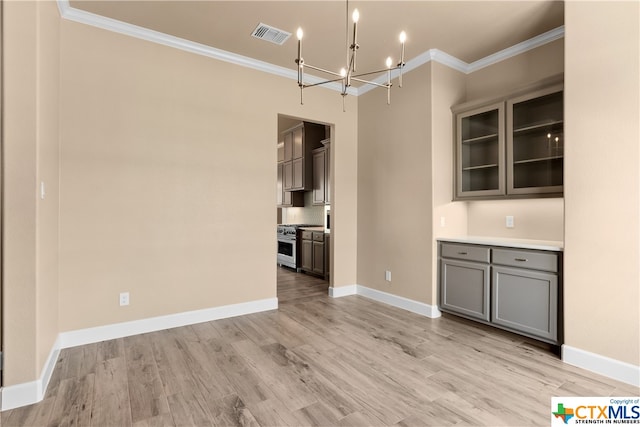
x,y
298,145
312,252
286,199
321,168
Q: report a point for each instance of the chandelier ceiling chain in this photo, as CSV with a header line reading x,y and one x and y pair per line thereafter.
x,y
347,75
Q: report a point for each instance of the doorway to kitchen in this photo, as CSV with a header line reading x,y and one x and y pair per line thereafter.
x,y
303,206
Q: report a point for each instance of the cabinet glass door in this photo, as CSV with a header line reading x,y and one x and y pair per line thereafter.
x,y
535,146
480,144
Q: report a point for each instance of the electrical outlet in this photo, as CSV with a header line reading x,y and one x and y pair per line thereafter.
x,y
509,221
124,298
387,275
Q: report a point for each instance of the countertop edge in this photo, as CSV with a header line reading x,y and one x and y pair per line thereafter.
x,y
543,245
313,228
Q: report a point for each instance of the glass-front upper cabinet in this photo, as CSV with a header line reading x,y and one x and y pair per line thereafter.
x,y
535,142
479,151
511,147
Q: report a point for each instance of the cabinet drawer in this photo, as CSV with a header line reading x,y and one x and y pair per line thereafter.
x,y
318,237
307,235
466,252
526,259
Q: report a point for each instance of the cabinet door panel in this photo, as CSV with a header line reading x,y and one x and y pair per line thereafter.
x,y
319,178
464,288
307,255
479,152
318,257
287,175
298,151
288,146
279,186
298,174
525,301
327,175
535,142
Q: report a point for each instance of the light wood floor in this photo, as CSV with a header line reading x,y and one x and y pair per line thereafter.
x,y
315,361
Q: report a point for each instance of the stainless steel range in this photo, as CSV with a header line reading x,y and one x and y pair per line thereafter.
x,y
287,246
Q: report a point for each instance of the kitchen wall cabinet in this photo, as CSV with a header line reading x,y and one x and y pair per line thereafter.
x,y
321,174
286,199
535,154
298,145
312,252
514,289
480,148
511,147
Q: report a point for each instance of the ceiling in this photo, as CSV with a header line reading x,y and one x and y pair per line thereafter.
x,y
467,30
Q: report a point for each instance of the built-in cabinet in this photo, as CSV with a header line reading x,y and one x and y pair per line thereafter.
x,y
512,146
287,199
322,174
298,145
312,252
511,288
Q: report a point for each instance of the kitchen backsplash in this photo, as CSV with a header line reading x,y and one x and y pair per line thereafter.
x,y
309,214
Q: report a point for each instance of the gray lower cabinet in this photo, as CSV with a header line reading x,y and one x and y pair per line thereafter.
x,y
525,301
465,288
514,289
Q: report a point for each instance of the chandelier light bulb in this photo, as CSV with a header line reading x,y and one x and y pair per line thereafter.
x,y
343,72
403,37
299,33
356,15
389,62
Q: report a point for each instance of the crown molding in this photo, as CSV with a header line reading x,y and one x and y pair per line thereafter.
x,y
532,43
109,24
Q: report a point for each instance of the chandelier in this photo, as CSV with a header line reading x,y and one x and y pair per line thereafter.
x,y
348,75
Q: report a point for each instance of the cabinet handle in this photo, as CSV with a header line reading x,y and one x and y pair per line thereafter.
x,y
462,253
521,259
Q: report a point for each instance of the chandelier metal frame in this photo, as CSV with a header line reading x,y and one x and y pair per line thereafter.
x,y
347,75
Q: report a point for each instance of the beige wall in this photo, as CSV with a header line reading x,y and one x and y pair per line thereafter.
x,y
47,172
168,178
450,219
538,219
602,179
395,191
30,139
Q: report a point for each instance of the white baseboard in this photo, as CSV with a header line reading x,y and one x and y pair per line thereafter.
x,y
143,326
386,298
400,302
27,393
343,291
612,368
31,392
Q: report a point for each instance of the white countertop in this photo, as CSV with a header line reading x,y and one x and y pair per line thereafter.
x,y
313,228
544,245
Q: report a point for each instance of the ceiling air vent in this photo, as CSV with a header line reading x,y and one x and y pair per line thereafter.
x,y
270,34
